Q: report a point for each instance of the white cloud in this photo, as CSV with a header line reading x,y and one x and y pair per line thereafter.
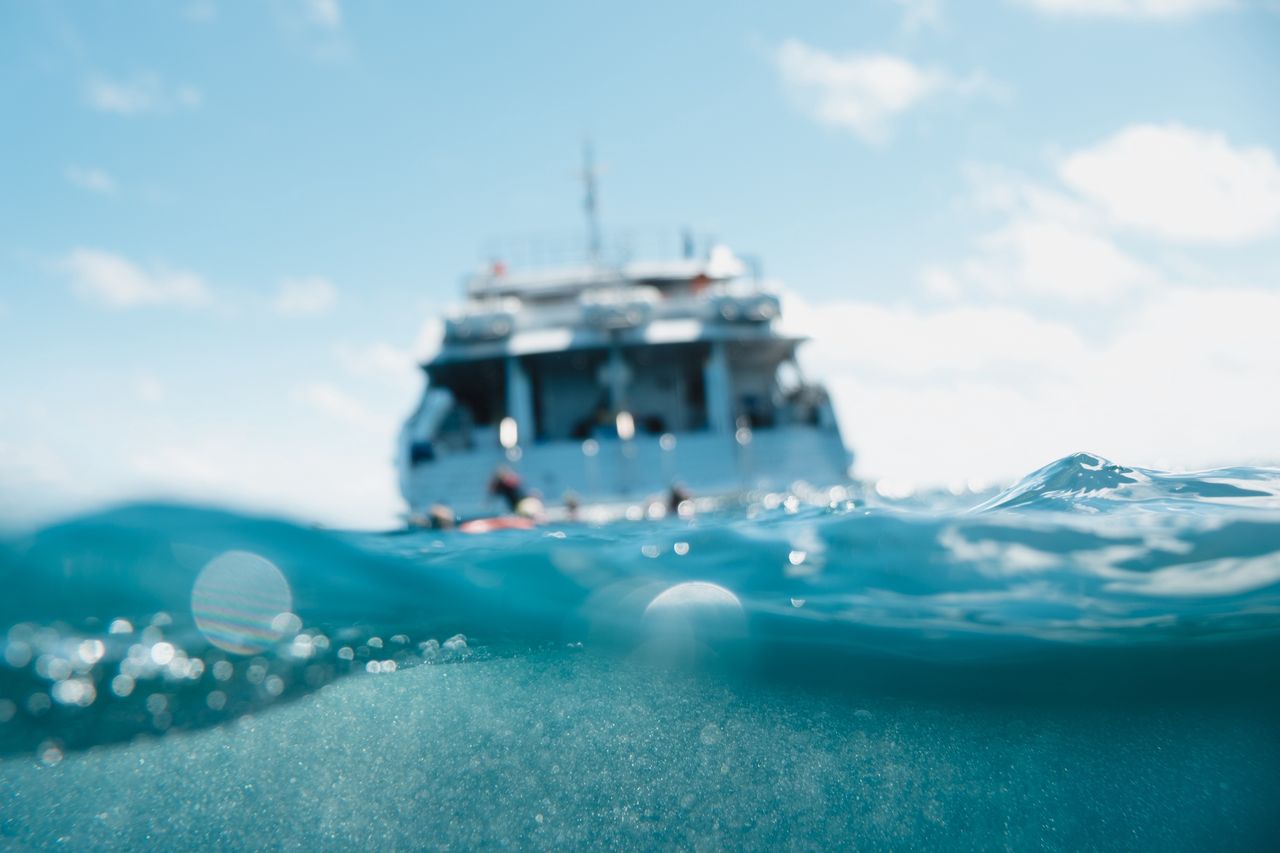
x,y
324,13
1153,9
1179,183
1065,241
310,295
920,14
337,404
1169,376
1034,256
381,362
1048,245
991,393
902,342
142,93
116,281
147,388
201,11
862,93
90,179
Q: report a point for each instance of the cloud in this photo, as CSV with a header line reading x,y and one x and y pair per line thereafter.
x,y
332,401
310,295
326,14
201,11
92,180
861,93
147,388
1152,9
116,281
142,93
1179,183
1048,245
1038,256
1064,240
920,14
381,362
932,397
997,378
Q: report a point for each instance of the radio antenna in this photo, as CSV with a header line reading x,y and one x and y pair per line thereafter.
x,y
589,202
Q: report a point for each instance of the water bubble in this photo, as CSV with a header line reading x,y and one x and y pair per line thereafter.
x,y
223,670
457,644
255,673
122,685
690,618
346,653
162,653
286,623
650,551
302,647
38,703
274,685
52,668
375,642
157,703
795,558
75,691
50,753
681,548
238,600
91,651
17,654
216,700
120,626
797,602
179,667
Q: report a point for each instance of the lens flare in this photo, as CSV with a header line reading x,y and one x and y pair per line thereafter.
x,y
237,602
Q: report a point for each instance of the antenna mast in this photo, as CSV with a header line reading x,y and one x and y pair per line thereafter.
x,y
589,175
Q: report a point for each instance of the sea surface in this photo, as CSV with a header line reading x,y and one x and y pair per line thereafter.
x,y
1088,660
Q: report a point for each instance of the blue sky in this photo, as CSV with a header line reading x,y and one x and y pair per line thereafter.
x,y
1016,229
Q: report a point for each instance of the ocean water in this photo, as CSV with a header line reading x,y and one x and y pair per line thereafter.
x,y
1087,660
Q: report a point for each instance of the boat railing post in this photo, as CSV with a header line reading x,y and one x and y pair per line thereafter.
x,y
716,382
520,398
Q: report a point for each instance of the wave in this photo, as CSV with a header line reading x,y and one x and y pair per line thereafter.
x,y
1085,577
1084,482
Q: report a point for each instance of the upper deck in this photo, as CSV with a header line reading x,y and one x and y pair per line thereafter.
x,y
592,305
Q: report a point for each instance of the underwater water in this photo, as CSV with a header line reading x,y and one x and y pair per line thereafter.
x,y
1087,660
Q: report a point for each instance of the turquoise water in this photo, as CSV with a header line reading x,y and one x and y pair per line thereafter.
x,y
1088,660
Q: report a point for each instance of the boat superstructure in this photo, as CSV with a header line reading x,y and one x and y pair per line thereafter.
x,y
614,381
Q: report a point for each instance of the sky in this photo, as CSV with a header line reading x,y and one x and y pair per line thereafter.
x,y
1015,229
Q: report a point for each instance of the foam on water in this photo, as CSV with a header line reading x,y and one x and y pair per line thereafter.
x,y
1058,665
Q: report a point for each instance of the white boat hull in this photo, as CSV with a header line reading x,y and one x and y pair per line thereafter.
x,y
612,471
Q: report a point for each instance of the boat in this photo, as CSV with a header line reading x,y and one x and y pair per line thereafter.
x,y
619,383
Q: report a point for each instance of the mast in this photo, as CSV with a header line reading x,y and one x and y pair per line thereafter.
x,y
589,175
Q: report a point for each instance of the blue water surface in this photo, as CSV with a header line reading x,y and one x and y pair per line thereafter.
x,y
1087,660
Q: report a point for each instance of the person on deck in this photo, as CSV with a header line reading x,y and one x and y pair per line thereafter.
x,y
507,484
